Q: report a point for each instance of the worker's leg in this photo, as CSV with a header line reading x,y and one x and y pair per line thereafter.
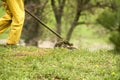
x,y
17,9
6,20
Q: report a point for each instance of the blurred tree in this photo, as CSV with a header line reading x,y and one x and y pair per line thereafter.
x,y
80,4
32,29
0,3
77,7
58,8
110,19
80,7
61,9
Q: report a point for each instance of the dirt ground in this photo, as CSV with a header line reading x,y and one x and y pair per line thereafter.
x,y
49,44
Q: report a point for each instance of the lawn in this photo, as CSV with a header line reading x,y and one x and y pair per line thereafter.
x,y
31,63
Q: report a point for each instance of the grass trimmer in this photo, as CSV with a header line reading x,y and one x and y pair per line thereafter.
x,y
62,43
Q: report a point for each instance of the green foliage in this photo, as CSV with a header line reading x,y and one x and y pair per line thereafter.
x,y
108,20
29,63
115,39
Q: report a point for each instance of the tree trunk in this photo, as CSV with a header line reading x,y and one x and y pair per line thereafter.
x,y
73,26
79,8
69,34
75,21
58,12
32,30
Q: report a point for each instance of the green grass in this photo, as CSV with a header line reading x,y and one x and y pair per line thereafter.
x,y
30,63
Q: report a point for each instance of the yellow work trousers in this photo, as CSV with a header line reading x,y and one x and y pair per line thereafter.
x,y
13,18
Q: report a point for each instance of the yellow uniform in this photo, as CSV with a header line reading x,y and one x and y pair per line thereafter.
x,y
13,18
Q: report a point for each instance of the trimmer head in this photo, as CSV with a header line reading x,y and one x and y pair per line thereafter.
x,y
64,44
